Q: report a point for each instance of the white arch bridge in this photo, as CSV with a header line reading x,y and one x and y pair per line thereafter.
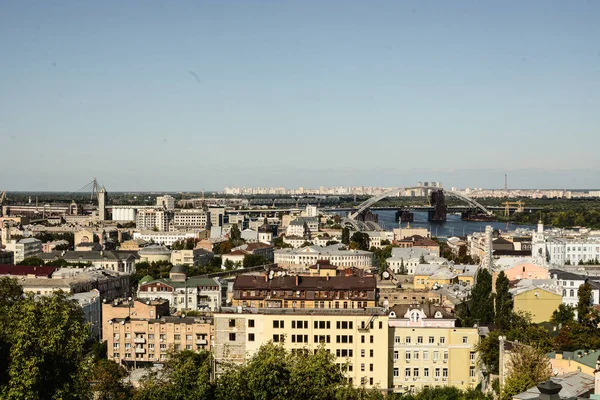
x,y
351,220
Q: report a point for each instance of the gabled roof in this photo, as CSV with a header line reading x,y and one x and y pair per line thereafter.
x,y
428,309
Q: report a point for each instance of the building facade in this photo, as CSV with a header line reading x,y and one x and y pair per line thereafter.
x,y
358,338
309,255
190,218
24,248
139,334
427,350
153,219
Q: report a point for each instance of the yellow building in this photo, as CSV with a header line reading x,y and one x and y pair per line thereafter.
x,y
428,275
573,361
427,350
140,334
538,300
287,291
358,338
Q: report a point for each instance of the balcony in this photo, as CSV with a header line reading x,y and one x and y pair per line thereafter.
x,y
201,341
139,340
140,351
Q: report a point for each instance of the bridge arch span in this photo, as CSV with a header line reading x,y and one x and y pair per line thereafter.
x,y
370,202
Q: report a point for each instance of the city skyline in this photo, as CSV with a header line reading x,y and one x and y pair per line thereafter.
x,y
191,95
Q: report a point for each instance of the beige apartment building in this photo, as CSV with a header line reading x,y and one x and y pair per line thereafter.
x,y
140,334
358,338
428,350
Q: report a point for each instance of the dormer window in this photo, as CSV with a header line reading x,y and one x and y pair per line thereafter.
x,y
415,316
438,315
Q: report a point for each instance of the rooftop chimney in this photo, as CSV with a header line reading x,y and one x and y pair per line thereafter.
x,y
549,390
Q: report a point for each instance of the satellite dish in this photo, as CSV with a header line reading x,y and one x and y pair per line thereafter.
x,y
271,274
386,275
555,372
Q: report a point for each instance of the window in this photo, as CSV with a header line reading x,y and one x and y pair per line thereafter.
x,y
188,338
431,340
371,367
276,338
250,323
407,340
442,339
426,372
397,339
232,337
407,356
416,372
251,337
362,352
278,324
407,372
396,372
416,354
472,372
362,367
437,372
465,340
472,357
232,323
371,339
436,355
151,336
380,324
425,355
445,372
419,339
362,338
371,353
395,355
371,381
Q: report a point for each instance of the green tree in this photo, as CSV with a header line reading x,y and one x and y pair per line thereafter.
x,y
584,305
185,375
253,260
46,337
361,240
563,315
346,236
32,261
482,299
527,367
107,381
504,302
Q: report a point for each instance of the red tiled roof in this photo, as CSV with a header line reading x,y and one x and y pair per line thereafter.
x,y
24,270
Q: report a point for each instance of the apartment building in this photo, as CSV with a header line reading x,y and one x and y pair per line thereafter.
x,y
191,218
428,350
305,292
140,334
184,293
166,201
306,256
24,248
191,257
153,219
358,338
109,260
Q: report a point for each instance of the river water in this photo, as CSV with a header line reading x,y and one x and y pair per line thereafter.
x,y
453,226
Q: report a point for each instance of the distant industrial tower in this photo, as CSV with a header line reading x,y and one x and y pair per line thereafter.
x,y
102,204
505,182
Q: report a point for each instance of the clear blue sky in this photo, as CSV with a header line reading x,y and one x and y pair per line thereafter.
x,y
185,95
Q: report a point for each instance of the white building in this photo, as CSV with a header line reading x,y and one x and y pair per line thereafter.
x,y
204,294
166,201
190,219
24,248
164,238
298,228
153,219
559,248
569,283
92,308
124,213
410,257
309,255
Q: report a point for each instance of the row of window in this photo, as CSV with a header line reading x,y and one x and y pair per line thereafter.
x,y
162,336
430,340
415,355
415,372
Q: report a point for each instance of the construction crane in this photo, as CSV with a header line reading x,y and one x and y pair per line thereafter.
x,y
518,205
2,197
